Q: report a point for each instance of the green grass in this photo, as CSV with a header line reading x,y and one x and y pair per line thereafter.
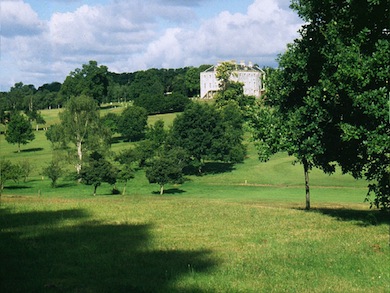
x,y
236,229
151,243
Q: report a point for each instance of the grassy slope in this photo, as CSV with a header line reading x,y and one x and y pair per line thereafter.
x,y
238,231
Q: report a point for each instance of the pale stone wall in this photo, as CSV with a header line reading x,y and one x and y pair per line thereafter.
x,y
250,76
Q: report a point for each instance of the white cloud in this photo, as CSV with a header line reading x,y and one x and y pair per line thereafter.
x,y
18,18
134,35
259,35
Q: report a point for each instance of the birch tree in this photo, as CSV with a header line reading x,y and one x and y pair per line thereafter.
x,y
80,123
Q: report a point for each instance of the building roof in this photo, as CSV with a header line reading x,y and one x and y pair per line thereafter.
x,y
238,67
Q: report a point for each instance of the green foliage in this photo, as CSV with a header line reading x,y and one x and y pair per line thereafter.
x,y
91,80
224,73
157,134
192,80
19,130
132,123
329,95
8,171
208,133
110,121
53,171
167,167
56,135
97,171
82,126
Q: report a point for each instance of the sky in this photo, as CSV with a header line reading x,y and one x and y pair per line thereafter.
x,y
42,41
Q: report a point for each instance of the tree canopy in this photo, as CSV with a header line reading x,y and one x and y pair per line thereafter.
x,y
19,130
328,99
97,171
90,80
207,133
81,125
132,123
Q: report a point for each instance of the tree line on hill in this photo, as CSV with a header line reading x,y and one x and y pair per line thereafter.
x,y
202,132
327,104
157,90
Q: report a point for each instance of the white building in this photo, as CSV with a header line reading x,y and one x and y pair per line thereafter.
x,y
251,76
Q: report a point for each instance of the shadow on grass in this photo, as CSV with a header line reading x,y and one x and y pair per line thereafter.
x,y
364,218
14,187
210,168
66,184
170,191
31,150
40,254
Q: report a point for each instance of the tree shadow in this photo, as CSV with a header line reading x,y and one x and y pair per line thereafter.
x,y
66,184
171,191
31,150
363,218
116,139
14,187
210,168
39,252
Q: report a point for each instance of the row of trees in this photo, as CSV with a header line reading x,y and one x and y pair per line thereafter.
x,y
157,90
202,132
328,102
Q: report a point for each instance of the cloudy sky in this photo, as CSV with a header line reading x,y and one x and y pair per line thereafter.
x,y
41,41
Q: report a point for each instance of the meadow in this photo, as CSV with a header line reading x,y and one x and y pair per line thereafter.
x,y
238,228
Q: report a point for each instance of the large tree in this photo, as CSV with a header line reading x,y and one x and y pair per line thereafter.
x,y
19,130
206,132
90,80
329,96
80,123
8,171
132,123
97,171
167,167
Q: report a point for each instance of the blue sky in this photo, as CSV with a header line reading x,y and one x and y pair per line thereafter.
x,y
41,41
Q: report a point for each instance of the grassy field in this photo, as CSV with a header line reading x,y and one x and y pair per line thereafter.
x,y
236,229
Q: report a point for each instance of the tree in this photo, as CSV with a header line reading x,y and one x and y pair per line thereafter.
x,y
127,159
110,121
224,74
35,116
56,135
91,80
81,125
8,171
54,171
132,123
20,97
97,171
192,81
167,168
204,133
19,130
157,133
328,96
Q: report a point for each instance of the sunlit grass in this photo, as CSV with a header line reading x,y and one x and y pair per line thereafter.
x,y
185,244
237,228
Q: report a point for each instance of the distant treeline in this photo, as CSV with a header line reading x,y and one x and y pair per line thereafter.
x,y
157,90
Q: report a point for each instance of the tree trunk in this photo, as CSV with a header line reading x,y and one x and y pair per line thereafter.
x,y
307,187
19,147
80,155
124,188
161,189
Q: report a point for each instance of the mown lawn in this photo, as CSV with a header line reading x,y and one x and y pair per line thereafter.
x,y
180,243
235,229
